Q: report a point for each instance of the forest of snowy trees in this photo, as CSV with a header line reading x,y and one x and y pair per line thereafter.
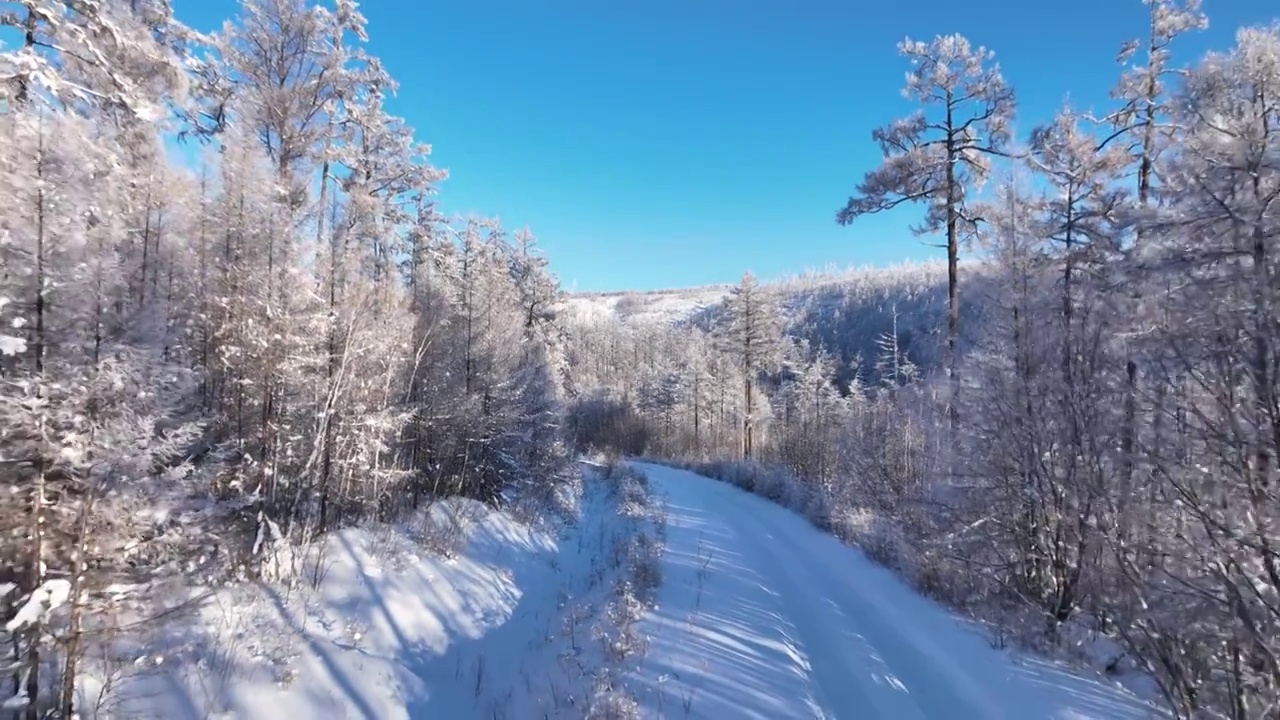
x,y
232,316
1094,449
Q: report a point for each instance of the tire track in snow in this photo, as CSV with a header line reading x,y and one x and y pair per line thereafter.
x,y
824,632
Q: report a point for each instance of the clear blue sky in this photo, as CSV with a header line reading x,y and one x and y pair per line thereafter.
x,y
669,143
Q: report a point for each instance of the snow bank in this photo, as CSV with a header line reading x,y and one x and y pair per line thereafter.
x,y
465,612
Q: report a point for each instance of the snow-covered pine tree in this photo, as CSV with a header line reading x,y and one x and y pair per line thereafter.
x,y
941,154
750,333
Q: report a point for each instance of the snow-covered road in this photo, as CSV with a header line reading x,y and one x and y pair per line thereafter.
x,y
763,616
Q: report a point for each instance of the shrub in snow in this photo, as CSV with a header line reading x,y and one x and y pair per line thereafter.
x,y
610,700
879,537
646,564
634,551
817,508
772,485
447,525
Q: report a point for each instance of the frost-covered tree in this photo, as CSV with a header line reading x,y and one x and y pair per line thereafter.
x,y
1143,117
751,335
1143,124
1215,467
112,57
940,155
894,365
272,336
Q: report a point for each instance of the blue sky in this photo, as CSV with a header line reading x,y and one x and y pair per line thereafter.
x,y
674,142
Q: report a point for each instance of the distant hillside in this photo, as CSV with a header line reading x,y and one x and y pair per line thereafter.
x,y
655,306
847,312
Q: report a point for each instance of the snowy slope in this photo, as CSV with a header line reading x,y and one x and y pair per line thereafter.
x,y
844,311
799,296
659,306
508,624
763,616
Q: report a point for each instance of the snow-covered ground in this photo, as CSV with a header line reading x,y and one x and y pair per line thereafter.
x,y
756,615
659,307
763,616
831,285
514,622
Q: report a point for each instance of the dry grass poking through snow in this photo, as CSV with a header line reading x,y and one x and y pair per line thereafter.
x,y
636,557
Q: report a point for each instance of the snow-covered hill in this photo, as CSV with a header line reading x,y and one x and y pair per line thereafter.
x,y
658,306
847,312
794,293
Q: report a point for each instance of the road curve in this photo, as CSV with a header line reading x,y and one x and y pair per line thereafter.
x,y
763,616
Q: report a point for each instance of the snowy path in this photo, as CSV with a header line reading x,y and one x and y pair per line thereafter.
x,y
763,616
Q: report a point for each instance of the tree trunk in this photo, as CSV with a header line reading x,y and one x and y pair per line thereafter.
x,y
36,571
326,464
146,248
953,272
72,650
